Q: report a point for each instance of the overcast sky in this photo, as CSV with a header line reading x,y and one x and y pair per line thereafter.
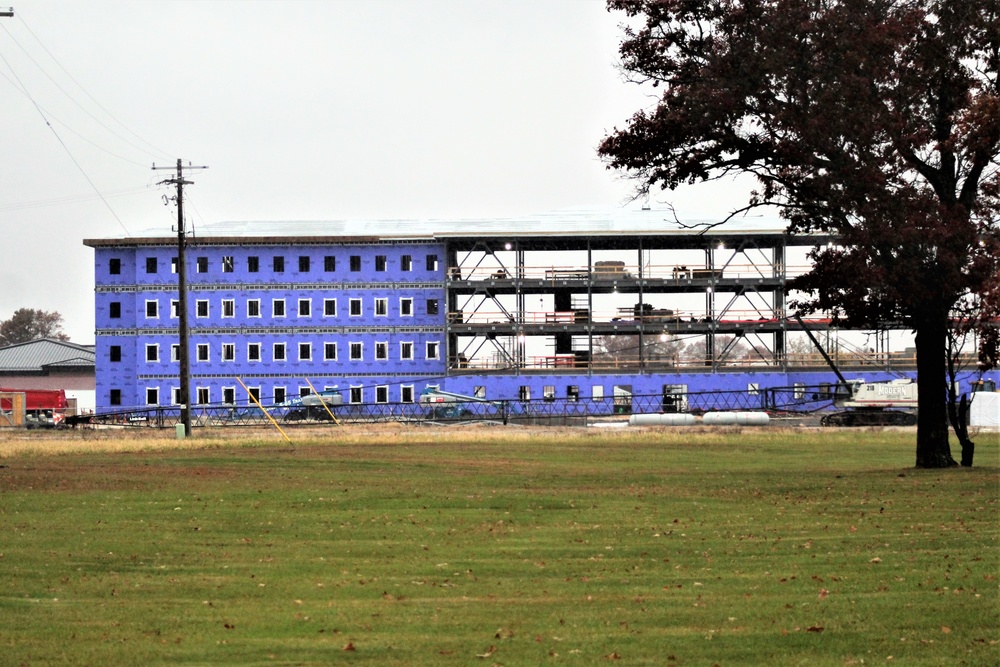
x,y
301,110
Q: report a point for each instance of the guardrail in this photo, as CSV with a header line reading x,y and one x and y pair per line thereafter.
x,y
668,272
660,361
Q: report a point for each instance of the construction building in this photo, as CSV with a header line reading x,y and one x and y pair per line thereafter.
x,y
572,305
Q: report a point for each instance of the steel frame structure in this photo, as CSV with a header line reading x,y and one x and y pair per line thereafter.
x,y
490,282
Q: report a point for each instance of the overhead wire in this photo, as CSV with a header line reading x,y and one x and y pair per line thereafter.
x,y
69,199
150,149
156,152
65,147
62,143
49,115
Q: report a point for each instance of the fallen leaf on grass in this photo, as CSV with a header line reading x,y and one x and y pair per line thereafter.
x,y
823,593
349,646
945,629
490,651
613,656
815,628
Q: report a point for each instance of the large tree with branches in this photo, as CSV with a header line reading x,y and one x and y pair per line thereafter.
x,y
875,120
27,324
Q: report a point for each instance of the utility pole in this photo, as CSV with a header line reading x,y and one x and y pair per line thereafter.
x,y
182,302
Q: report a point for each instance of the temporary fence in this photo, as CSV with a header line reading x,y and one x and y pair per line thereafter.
x,y
550,410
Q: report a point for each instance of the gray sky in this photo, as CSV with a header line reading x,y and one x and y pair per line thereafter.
x,y
302,110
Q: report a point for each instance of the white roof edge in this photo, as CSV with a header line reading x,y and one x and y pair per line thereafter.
x,y
575,222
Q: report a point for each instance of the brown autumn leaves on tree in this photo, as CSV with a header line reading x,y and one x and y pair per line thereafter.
x,y
874,120
28,324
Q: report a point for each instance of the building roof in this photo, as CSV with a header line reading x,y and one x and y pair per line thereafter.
x,y
567,223
46,354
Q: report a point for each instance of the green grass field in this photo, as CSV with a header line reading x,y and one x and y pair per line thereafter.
x,y
494,546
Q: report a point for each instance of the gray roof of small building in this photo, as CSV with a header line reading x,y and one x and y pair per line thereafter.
x,y
38,355
572,222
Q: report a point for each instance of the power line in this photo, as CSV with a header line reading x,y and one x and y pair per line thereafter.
x,y
156,151
69,199
66,148
18,88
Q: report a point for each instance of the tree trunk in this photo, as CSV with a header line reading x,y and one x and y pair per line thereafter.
x,y
968,447
933,450
958,415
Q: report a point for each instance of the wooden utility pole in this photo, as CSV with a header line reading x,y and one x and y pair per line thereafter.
x,y
183,356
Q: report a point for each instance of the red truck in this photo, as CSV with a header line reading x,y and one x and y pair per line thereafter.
x,y
44,408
